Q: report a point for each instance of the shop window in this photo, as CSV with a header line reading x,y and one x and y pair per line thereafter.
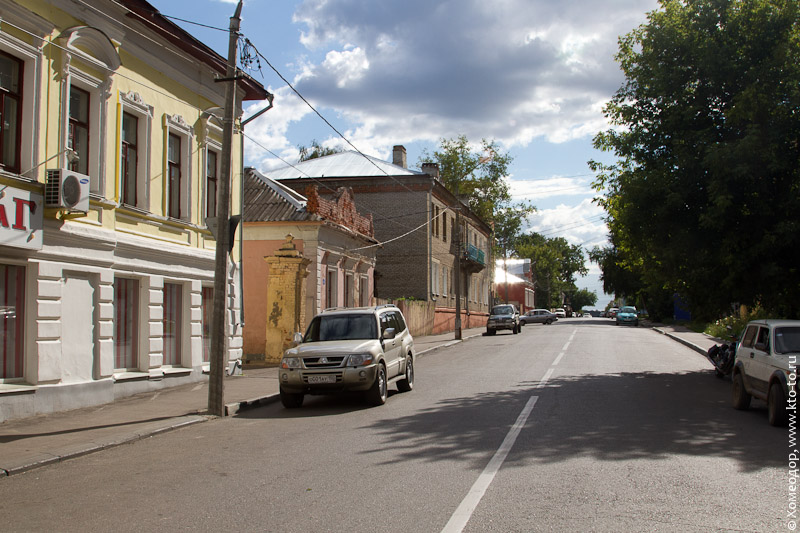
x,y
208,305
126,323
12,314
172,330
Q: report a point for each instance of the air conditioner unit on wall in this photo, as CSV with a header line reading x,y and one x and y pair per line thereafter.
x,y
67,189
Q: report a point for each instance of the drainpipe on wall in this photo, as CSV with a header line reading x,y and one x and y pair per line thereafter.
x,y
242,123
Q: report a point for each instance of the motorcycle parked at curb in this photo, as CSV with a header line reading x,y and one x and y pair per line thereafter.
x,y
722,356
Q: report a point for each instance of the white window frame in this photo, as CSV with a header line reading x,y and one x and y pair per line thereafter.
x,y
175,124
133,104
445,272
32,64
183,323
331,287
98,118
136,337
211,146
435,277
27,141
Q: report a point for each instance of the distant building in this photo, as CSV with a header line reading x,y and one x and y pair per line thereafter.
x,y
414,219
513,283
328,231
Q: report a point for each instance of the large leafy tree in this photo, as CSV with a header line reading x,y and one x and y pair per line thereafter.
x,y
555,264
704,199
478,176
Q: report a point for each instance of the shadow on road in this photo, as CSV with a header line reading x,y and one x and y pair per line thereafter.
x,y
608,417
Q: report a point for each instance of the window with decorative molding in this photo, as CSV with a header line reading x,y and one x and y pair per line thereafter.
x,y
212,173
84,100
11,78
179,138
135,130
20,98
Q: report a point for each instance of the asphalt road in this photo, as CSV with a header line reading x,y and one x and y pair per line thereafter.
x,y
577,426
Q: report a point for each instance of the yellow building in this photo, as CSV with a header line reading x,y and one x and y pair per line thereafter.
x,y
111,149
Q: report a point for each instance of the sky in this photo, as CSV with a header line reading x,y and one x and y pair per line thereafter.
x,y
532,75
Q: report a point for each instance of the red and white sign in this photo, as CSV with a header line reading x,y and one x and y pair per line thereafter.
x,y
21,218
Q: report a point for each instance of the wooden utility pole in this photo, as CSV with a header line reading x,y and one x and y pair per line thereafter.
x,y
458,265
219,334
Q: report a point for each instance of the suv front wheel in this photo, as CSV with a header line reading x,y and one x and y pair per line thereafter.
x,y
291,399
377,394
407,383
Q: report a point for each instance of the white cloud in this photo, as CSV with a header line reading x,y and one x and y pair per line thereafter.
x,y
513,70
578,224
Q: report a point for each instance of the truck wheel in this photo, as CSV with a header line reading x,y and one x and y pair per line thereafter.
x,y
291,400
406,384
741,398
377,394
776,406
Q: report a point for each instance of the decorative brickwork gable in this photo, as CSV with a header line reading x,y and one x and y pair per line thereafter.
x,y
340,209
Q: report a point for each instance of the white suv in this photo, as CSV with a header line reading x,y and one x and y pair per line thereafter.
x,y
357,349
764,366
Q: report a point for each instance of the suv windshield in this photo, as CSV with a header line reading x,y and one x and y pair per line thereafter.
x,y
503,310
342,327
787,340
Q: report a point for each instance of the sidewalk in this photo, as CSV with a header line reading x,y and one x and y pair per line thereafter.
x,y
699,342
29,443
37,441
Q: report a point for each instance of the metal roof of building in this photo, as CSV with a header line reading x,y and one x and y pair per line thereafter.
x,y
340,165
268,200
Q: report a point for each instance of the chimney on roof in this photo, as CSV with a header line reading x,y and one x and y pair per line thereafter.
x,y
431,169
399,156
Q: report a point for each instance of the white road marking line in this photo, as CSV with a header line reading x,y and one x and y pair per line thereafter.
x,y
468,505
564,348
545,378
558,358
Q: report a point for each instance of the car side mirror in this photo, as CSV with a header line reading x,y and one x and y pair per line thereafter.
x,y
761,347
297,339
388,334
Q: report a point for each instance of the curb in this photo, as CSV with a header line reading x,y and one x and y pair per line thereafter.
x,y
45,460
691,345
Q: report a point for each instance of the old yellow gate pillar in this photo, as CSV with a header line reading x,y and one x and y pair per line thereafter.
x,y
286,296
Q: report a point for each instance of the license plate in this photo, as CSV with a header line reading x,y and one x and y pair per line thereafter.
x,y
322,379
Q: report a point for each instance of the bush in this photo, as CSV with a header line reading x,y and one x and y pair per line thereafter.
x,y
737,323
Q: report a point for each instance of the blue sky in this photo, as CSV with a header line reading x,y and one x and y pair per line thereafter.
x,y
533,75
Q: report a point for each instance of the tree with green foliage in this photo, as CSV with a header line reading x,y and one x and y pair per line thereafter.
x,y
704,199
479,177
315,151
554,264
582,298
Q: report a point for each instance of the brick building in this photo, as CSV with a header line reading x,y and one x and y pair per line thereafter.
x,y
326,230
414,218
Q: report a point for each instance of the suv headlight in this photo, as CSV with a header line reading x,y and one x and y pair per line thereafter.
x,y
290,363
360,359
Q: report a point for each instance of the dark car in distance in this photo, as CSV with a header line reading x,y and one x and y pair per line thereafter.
x,y
503,316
